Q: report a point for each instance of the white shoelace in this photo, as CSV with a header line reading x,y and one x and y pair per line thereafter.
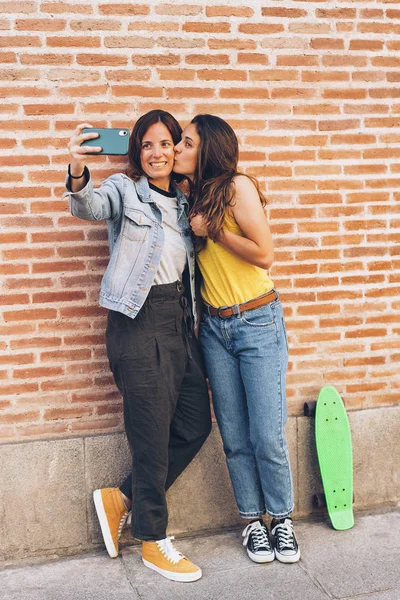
x,y
260,536
284,535
122,523
168,550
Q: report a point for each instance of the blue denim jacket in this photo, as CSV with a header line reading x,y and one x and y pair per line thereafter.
x,y
136,238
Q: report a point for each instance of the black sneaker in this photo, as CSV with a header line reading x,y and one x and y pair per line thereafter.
x,y
285,543
257,542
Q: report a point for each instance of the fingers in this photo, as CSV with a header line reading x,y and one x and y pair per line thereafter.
x,y
87,149
75,148
199,219
81,126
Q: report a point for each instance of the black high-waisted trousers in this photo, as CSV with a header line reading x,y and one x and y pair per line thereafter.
x,y
157,366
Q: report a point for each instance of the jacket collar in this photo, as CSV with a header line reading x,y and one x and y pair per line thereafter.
x,y
144,193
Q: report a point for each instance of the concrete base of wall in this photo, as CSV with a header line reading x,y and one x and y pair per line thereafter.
x,y
46,506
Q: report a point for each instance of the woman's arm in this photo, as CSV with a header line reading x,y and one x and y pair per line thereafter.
x,y
77,152
86,202
256,246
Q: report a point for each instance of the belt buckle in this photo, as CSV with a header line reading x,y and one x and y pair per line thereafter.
x,y
235,311
179,286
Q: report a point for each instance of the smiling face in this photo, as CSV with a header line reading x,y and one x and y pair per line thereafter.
x,y
157,155
187,151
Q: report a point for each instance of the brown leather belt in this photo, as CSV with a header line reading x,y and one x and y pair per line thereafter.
x,y
237,309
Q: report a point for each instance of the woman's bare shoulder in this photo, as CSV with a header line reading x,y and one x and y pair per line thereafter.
x,y
244,186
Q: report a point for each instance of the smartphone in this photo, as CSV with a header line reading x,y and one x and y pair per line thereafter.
x,y
113,141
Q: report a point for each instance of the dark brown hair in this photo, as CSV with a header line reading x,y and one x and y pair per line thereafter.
x,y
134,169
213,187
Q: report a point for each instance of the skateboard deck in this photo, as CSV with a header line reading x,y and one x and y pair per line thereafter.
x,y
335,457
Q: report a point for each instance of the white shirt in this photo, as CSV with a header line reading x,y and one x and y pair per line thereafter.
x,y
173,258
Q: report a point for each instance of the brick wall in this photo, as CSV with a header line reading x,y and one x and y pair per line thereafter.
x,y
312,89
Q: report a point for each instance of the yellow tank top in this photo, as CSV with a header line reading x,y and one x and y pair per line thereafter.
x,y
227,279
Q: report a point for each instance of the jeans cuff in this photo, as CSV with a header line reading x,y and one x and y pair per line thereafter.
x,y
253,514
282,515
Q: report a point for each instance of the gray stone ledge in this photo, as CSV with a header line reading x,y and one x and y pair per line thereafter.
x,y
46,506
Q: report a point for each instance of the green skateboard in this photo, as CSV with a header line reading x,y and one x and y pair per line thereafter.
x,y
334,450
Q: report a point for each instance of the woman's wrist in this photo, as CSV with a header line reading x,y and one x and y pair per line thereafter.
x,y
76,171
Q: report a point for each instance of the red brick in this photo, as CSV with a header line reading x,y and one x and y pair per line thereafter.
x,y
23,7
43,430
229,44
36,342
208,59
19,41
336,13
221,75
315,76
252,58
73,42
214,28
98,60
65,7
38,372
18,388
66,413
260,28
66,296
371,45
327,44
303,27
229,11
152,26
86,24
124,10
20,417
8,57
297,61
286,13
40,24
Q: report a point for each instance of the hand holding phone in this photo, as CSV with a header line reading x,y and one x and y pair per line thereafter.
x,y
77,152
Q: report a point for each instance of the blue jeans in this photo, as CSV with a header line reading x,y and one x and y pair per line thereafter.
x,y
246,359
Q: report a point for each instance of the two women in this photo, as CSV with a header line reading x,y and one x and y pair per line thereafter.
x,y
153,353
242,334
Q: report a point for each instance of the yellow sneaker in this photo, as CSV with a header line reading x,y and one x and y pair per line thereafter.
x,y
112,514
161,556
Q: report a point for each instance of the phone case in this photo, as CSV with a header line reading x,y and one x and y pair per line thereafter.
x,y
113,141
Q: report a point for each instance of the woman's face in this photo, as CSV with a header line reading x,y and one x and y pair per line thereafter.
x,y
157,155
186,152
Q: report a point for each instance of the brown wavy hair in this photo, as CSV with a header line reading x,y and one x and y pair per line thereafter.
x,y
213,189
134,169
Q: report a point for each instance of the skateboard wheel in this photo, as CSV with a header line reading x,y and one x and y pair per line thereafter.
x,y
319,500
309,408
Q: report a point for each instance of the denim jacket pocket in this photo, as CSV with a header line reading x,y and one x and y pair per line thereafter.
x,y
136,225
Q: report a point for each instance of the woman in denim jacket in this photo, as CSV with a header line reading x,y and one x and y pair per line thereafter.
x,y
153,353
242,333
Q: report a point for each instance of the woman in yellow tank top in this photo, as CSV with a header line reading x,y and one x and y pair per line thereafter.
x,y
242,333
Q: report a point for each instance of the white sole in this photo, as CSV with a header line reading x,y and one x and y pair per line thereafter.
x,y
260,559
288,559
105,530
183,577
